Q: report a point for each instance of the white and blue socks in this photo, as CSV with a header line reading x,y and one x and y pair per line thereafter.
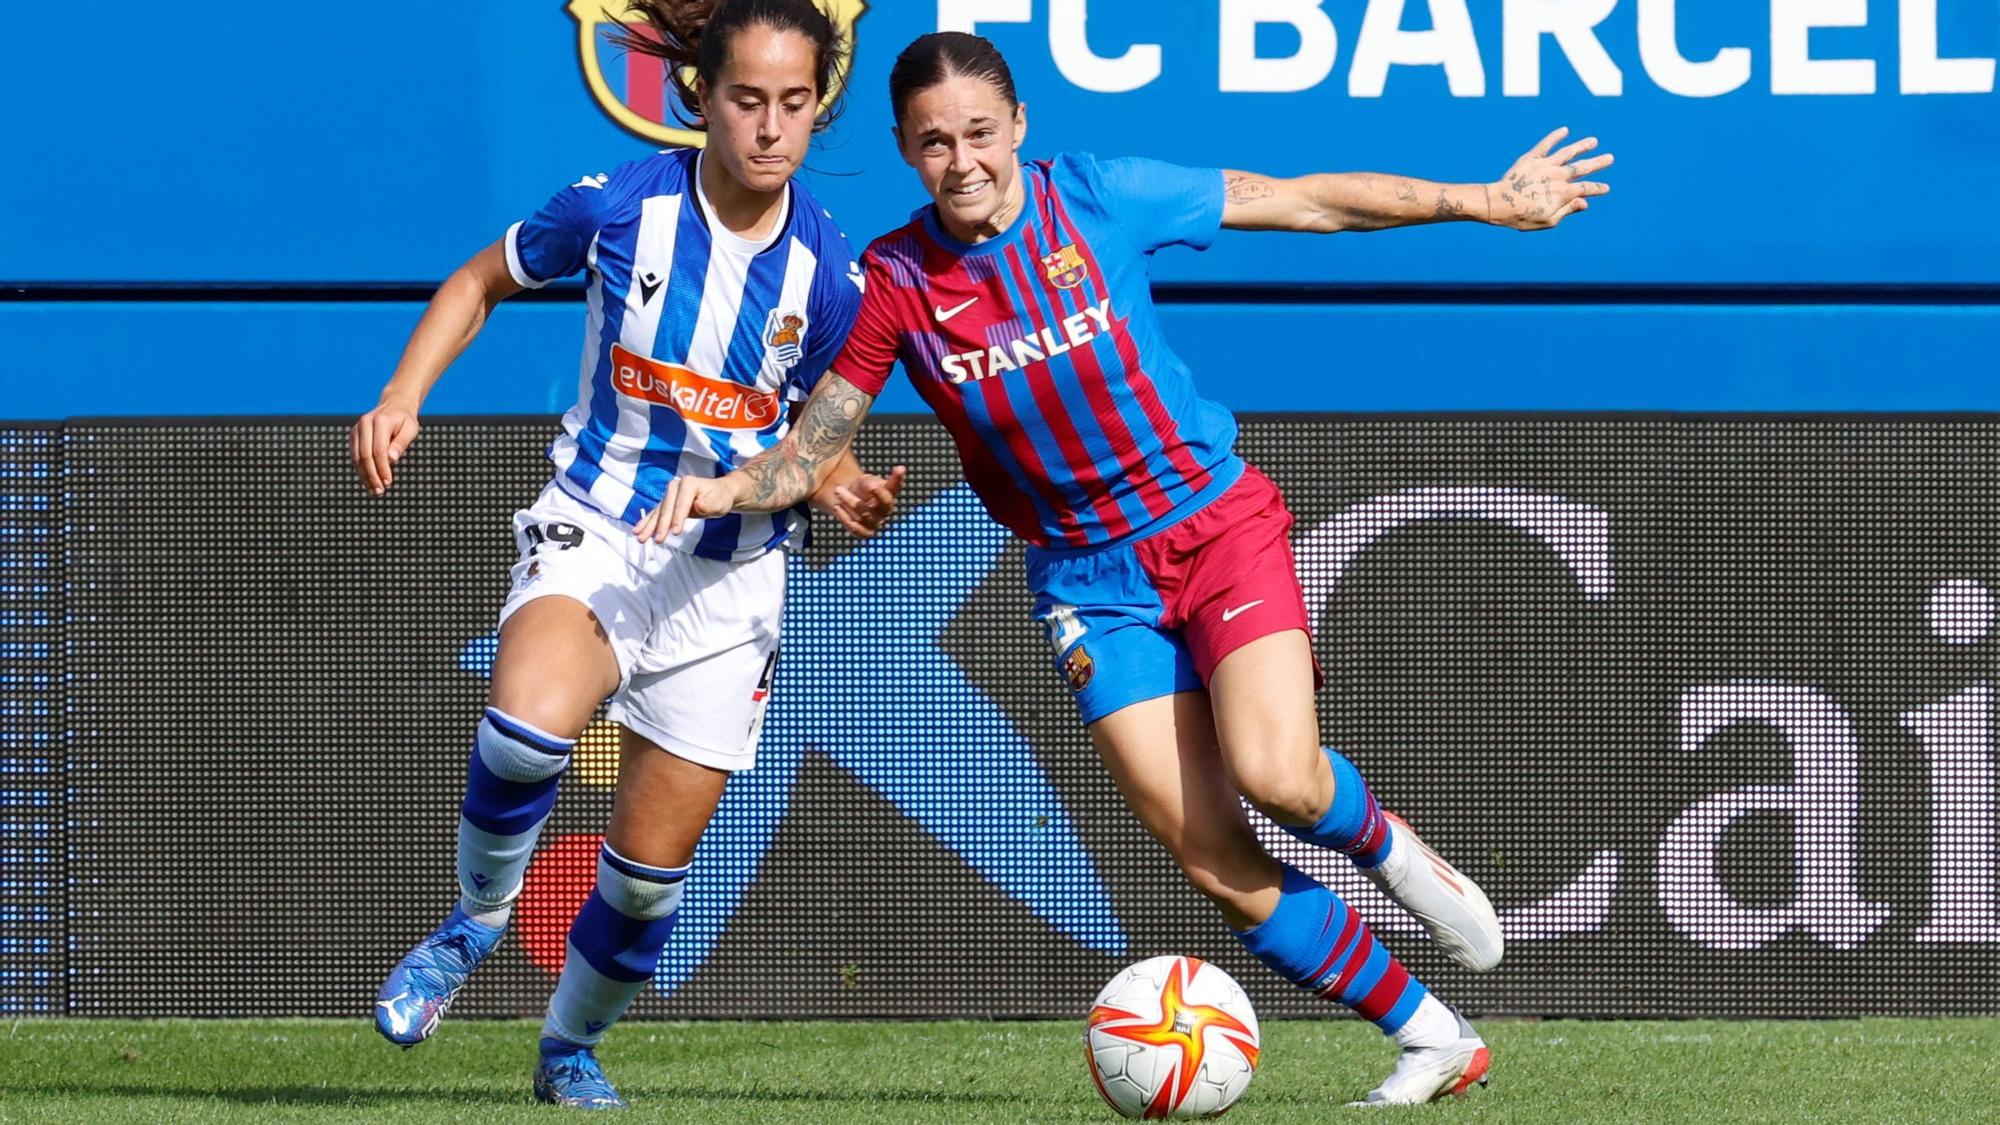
x,y
1353,824
614,946
509,789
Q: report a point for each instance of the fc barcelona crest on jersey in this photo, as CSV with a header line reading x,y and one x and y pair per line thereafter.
x,y
633,89
1064,268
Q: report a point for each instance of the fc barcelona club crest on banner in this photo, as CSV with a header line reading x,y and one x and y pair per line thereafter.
x,y
1064,268
633,89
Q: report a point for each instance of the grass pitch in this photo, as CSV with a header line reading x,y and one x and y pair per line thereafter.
x,y
875,1073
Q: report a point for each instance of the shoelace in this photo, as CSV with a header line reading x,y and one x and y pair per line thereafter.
x,y
583,1078
439,960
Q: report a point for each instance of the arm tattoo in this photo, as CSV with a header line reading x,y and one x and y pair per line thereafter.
x,y
1240,188
777,481
1447,208
786,473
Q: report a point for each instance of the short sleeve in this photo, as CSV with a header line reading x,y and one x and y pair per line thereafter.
x,y
554,242
871,348
837,293
1160,204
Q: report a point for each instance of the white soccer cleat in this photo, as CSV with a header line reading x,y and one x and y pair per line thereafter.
x,y
1452,907
1425,1074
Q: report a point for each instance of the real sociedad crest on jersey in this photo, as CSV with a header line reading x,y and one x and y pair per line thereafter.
x,y
633,88
785,338
1064,268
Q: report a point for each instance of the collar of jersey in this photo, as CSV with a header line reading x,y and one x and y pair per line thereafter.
x,y
999,241
721,234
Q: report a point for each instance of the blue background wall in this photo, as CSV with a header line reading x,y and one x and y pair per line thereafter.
x,y
381,143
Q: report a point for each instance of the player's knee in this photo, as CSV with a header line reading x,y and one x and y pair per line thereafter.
x,y
516,750
553,668
1282,791
559,713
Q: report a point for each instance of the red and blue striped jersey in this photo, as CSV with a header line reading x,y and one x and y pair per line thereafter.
x,y
1041,351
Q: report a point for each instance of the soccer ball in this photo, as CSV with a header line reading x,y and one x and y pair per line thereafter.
x,y
1171,1037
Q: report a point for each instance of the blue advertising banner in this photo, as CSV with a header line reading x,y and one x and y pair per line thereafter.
x,y
1758,142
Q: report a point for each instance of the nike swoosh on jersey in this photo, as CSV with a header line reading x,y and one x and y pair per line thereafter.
x,y
944,314
1229,615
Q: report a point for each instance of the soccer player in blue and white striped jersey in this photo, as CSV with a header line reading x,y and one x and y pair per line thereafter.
x,y
718,291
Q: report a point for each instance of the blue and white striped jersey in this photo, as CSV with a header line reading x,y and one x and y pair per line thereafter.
x,y
697,339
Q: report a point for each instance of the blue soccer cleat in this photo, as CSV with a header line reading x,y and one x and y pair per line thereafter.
x,y
570,1075
422,985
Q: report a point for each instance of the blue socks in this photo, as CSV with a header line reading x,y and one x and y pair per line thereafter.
x,y
510,787
1353,824
614,946
1319,943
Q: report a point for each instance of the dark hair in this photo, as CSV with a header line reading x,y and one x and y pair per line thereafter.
x,y
699,34
942,55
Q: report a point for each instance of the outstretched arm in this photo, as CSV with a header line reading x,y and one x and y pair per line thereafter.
x,y
1539,191
455,315
777,478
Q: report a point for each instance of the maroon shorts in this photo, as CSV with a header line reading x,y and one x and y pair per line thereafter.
x,y
1226,575
1140,620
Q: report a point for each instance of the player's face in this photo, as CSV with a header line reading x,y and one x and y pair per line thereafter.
x,y
760,111
962,138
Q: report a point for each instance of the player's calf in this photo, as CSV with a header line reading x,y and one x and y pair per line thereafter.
x,y
614,946
1451,907
1320,943
1352,822
510,787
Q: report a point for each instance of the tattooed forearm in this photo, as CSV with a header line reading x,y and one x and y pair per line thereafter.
x,y
790,471
1242,188
1365,202
827,423
778,479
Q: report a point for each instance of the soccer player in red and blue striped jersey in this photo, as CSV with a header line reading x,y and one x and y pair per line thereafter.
x,y
1018,304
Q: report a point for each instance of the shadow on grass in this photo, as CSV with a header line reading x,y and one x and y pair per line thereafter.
x,y
276,1095
368,1096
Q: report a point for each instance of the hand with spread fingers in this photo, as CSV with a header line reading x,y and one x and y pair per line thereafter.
x,y
1548,184
864,504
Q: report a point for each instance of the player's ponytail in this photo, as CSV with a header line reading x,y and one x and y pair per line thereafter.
x,y
694,37
942,55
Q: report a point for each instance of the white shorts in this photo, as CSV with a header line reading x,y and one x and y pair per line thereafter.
x,y
696,639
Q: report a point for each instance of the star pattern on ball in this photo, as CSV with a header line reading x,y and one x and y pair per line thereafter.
x,y
1181,1025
